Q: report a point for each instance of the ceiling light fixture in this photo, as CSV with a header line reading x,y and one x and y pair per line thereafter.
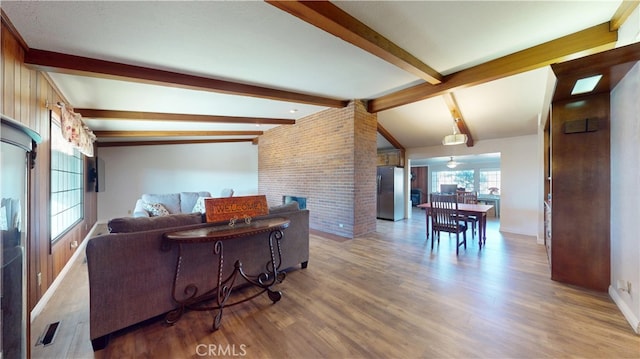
x,y
456,138
586,84
452,163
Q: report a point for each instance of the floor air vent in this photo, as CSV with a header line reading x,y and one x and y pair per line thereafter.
x,y
49,334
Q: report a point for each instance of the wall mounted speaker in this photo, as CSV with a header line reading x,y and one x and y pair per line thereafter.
x,y
581,126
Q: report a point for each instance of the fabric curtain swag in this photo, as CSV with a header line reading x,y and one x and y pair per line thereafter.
x,y
76,132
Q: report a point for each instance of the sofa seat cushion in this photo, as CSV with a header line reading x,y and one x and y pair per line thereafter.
x,y
138,224
171,201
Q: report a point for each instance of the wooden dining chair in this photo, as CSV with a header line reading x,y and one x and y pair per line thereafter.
x,y
469,198
445,218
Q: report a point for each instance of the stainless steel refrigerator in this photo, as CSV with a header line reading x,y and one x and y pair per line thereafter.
x,y
390,193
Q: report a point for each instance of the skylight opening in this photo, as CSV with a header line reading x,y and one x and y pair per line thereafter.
x,y
586,84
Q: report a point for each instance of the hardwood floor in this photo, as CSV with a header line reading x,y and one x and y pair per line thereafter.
x,y
384,295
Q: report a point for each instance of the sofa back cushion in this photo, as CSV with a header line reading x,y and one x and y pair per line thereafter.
x,y
138,224
188,200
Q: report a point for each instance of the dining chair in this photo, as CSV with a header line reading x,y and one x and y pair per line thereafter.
x,y
469,198
445,218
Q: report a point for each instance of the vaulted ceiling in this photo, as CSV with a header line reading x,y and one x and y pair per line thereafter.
x,y
182,72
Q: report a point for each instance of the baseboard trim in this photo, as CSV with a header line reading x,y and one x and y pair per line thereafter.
x,y
624,308
516,235
39,307
327,235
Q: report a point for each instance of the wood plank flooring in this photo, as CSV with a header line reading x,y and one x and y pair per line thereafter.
x,y
383,295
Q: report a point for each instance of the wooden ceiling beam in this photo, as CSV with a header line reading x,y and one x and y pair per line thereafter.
x,y
592,40
622,13
111,134
49,61
337,22
179,117
172,142
389,137
600,61
459,121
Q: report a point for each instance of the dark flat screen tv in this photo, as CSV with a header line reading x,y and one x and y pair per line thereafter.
x,y
448,188
95,174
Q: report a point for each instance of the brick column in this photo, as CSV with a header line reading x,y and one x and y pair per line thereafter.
x,y
329,158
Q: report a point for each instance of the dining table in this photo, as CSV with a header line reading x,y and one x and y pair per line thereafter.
x,y
478,210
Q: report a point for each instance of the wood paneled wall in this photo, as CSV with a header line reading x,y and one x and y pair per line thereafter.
x,y
580,245
420,181
28,97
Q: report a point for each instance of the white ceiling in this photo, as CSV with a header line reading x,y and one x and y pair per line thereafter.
x,y
255,43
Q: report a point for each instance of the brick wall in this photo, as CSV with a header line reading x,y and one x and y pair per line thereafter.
x,y
329,158
365,154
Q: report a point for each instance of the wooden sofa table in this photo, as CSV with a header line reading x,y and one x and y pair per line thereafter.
x,y
219,233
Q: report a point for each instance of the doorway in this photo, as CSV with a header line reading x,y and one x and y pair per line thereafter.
x,y
419,185
479,173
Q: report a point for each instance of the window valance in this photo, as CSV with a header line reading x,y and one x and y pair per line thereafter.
x,y
76,132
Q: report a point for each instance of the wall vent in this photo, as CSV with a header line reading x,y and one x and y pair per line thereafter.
x,y
49,334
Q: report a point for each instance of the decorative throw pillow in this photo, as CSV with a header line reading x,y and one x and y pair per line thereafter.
x,y
199,206
170,201
155,209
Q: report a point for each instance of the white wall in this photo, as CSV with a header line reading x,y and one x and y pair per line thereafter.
x,y
625,182
521,173
131,171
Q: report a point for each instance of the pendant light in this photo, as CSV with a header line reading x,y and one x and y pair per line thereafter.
x,y
456,138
